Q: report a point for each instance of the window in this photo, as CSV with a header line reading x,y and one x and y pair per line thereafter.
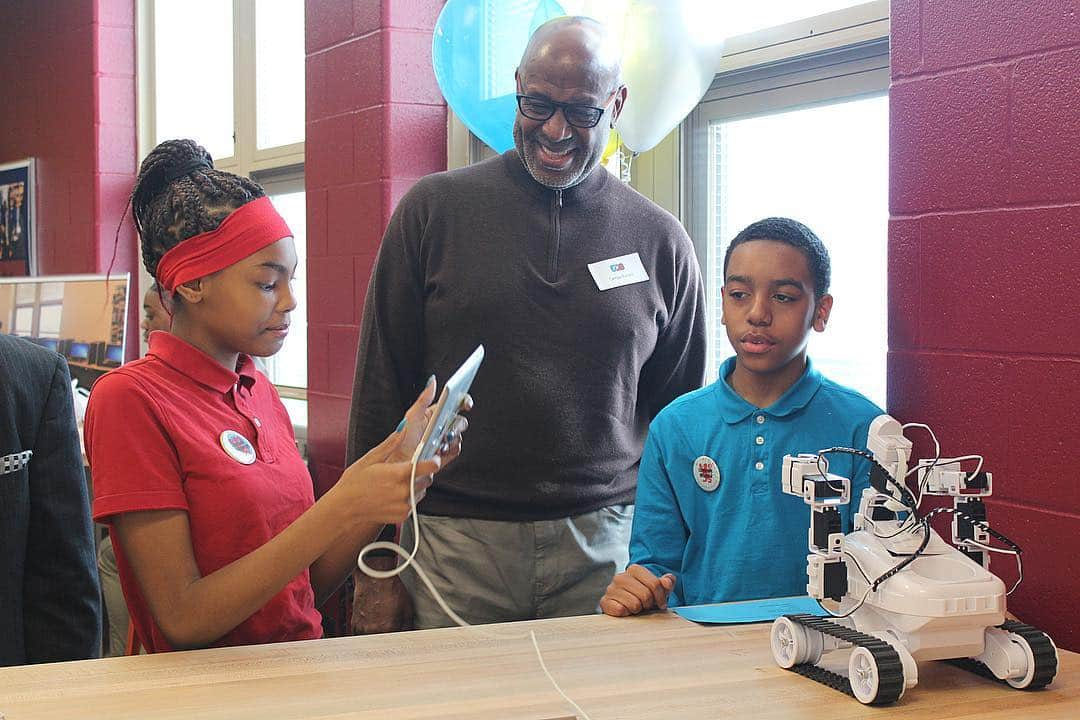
x,y
289,367
743,18
826,166
230,75
49,321
24,322
279,78
803,135
207,114
37,309
50,309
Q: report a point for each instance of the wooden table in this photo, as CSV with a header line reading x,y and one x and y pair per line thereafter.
x,y
656,666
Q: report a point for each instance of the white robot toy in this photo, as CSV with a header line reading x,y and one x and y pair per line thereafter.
x,y
905,595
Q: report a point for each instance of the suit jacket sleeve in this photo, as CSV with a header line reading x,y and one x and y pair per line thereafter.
x,y
677,364
62,612
389,359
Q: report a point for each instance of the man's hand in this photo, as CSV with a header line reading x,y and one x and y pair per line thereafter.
x,y
380,606
636,591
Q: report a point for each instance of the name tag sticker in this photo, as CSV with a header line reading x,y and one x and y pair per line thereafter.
x,y
618,271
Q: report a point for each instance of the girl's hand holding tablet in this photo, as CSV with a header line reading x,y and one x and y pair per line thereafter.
x,y
378,483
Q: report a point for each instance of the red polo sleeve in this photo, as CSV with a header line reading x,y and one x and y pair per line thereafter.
x,y
133,460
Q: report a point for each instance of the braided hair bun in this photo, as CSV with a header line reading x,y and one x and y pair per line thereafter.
x,y
179,194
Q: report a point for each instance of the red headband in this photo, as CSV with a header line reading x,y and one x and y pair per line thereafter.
x,y
245,231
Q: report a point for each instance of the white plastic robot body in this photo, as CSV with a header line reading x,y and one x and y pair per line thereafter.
x,y
938,607
944,604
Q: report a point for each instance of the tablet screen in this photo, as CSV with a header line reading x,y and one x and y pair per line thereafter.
x,y
449,404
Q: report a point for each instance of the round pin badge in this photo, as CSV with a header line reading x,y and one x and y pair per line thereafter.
x,y
706,473
237,447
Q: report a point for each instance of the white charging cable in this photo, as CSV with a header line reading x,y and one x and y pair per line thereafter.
x,y
410,561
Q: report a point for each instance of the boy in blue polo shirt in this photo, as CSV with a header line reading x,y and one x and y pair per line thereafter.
x,y
711,523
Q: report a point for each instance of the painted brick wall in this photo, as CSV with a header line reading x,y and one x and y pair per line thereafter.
x,y
69,102
984,331
376,122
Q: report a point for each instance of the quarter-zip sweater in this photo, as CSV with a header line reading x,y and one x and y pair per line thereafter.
x,y
572,374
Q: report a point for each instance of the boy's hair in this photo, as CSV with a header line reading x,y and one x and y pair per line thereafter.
x,y
179,194
797,235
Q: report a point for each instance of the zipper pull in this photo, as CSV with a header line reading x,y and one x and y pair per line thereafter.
x,y
558,199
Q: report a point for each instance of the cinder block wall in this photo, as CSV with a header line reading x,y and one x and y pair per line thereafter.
x,y
984,254
376,123
69,103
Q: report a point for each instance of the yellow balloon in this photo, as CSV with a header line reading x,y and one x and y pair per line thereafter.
x,y
612,145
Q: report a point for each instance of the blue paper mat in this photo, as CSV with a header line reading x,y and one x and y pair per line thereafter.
x,y
751,611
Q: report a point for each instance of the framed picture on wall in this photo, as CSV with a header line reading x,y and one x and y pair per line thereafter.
x,y
17,248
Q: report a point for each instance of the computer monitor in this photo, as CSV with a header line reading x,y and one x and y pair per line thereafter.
x,y
93,309
114,355
79,351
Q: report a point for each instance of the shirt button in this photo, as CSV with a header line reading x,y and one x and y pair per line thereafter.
x,y
759,465
759,440
257,423
760,419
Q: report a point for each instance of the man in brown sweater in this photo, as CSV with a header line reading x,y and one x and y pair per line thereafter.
x,y
589,303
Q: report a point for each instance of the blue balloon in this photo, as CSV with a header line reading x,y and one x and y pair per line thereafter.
x,y
476,48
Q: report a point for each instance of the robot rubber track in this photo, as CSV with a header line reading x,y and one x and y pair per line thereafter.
x,y
1042,651
887,665
883,681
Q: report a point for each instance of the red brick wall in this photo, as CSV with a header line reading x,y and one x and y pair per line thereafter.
x,y
376,122
69,102
984,328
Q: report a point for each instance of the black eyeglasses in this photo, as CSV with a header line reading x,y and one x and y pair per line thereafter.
x,y
580,116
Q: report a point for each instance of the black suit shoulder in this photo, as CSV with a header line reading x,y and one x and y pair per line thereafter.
x,y
50,598
27,373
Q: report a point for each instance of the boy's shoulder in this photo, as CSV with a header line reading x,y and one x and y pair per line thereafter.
x,y
686,404
849,400
687,415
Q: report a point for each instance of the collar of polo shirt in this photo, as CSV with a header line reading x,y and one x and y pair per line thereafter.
x,y
734,409
199,366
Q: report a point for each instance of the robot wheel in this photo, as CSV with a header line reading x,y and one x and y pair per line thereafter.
x,y
1042,658
875,671
794,644
1041,654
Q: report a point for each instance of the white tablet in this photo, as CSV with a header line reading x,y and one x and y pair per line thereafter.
x,y
446,409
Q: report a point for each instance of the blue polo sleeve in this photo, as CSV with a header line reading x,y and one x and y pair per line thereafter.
x,y
659,534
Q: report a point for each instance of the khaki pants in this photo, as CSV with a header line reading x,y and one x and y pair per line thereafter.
x,y
115,606
494,571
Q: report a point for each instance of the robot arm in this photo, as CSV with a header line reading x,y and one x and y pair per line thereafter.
x,y
970,533
892,450
803,476
825,568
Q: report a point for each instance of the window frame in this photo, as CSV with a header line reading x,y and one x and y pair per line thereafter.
x,y
247,158
277,166
279,182
41,305
32,306
842,55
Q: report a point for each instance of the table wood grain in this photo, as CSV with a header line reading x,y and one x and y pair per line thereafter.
x,y
654,666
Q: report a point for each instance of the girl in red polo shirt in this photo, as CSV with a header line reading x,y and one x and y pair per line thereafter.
x,y
218,537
